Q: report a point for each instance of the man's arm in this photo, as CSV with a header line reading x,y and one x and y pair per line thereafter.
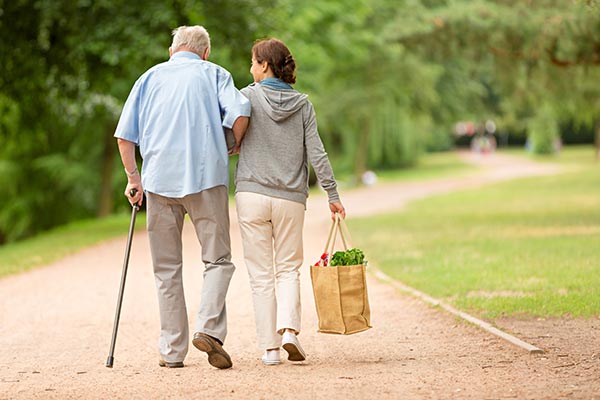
x,y
134,180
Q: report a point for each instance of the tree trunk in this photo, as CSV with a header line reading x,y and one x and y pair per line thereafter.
x,y
108,158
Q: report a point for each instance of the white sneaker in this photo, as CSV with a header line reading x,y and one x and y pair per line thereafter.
x,y
271,357
292,346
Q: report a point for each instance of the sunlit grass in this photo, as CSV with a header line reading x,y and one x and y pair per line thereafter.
x,y
60,242
523,247
55,244
430,166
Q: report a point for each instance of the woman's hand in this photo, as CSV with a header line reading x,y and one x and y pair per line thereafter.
x,y
234,150
337,208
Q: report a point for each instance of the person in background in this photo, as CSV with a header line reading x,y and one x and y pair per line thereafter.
x,y
271,191
176,113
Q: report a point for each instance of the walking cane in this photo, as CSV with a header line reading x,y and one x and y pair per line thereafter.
x,y
111,359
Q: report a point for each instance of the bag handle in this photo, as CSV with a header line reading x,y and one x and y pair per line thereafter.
x,y
337,225
345,233
331,235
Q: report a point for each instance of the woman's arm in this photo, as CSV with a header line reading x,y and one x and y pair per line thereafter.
x,y
320,162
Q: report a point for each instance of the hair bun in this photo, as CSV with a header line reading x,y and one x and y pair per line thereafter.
x,y
278,56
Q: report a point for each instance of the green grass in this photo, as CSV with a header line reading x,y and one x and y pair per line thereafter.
x,y
522,247
60,242
430,166
525,247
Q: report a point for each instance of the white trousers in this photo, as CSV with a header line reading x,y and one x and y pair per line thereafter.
x,y
272,239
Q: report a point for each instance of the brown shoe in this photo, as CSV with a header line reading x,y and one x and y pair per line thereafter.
x,y
177,364
217,356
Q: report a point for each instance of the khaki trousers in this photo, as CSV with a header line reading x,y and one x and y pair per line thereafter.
x,y
272,239
209,213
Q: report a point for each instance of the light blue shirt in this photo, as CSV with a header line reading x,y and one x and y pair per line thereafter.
x,y
176,112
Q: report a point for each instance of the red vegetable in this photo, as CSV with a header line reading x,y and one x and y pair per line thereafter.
x,y
324,258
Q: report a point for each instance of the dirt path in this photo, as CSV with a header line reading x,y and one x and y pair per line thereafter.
x,y
55,327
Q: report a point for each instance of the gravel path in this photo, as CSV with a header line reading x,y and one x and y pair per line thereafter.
x,y
56,321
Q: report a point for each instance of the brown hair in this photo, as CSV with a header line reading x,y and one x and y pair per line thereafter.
x,y
278,56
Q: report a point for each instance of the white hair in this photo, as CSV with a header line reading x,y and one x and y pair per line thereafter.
x,y
195,37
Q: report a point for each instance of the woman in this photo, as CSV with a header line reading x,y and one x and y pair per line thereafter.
x,y
271,190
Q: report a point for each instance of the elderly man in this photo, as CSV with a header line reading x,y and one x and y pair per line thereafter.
x,y
176,113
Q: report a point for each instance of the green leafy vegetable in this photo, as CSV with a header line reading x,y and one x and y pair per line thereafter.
x,y
348,257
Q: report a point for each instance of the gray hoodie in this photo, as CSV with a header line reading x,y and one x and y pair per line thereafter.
x,y
280,141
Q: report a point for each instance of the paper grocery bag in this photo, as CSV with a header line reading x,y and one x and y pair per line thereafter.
x,y
340,292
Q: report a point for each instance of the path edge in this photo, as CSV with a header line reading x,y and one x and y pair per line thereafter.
x,y
435,302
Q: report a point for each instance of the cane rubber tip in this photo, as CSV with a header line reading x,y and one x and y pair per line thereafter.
x,y
109,362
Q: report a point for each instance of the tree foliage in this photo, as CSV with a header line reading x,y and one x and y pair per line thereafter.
x,y
525,60
389,79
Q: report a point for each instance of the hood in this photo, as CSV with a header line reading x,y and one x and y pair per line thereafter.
x,y
279,104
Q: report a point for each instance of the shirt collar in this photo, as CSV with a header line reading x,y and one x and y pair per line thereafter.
x,y
185,54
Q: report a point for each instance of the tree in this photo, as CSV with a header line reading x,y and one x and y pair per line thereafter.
x,y
371,95
388,78
536,57
67,65
67,69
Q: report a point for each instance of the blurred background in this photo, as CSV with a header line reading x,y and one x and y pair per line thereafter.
x,y
391,80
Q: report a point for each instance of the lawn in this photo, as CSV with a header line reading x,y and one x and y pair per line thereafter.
x,y
525,247
60,242
430,166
